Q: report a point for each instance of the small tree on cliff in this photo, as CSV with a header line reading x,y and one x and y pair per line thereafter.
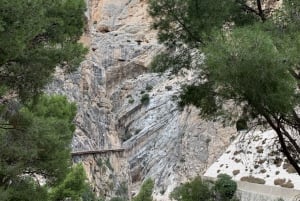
x,y
251,60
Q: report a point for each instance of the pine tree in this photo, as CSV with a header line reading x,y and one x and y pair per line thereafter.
x,y
37,145
36,36
73,186
251,60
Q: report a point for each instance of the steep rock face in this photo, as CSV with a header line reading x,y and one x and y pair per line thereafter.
x,y
163,142
159,140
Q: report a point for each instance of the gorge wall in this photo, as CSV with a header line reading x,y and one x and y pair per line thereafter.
x,y
159,140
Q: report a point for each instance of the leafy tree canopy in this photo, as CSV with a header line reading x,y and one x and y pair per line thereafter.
x,y
251,64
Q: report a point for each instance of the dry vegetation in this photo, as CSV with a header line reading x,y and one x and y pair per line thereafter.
x,y
235,172
284,183
252,179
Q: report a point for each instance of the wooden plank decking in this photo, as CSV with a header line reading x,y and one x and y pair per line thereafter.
x,y
100,151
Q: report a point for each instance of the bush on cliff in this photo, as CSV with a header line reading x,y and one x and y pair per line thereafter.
x,y
145,193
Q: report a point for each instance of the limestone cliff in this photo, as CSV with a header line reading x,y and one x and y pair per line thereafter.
x,y
111,89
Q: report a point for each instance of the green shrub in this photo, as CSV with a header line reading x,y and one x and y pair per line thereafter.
x,y
73,186
117,199
149,87
89,195
145,193
126,136
131,100
99,162
225,187
160,63
169,88
196,190
101,198
122,190
107,163
145,99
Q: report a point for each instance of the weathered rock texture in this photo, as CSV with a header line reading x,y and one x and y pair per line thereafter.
x,y
160,140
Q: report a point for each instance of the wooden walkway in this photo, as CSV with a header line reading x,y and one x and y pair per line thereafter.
x,y
100,151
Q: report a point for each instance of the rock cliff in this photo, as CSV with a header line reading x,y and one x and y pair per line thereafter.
x,y
121,105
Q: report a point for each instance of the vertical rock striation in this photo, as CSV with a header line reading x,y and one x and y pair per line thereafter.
x,y
121,104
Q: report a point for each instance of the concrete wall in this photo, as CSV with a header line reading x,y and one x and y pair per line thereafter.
x,y
258,192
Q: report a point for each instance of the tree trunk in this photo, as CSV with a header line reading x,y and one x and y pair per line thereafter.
x,y
282,142
260,11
